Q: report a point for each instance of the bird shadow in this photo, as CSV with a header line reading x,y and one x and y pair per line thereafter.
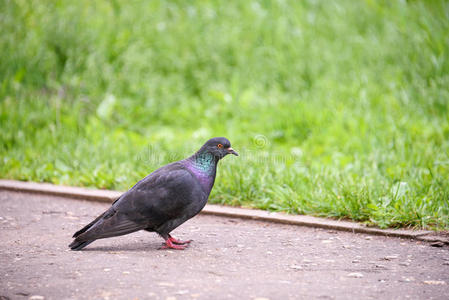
x,y
128,247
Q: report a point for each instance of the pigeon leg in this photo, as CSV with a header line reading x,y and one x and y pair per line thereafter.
x,y
170,245
178,242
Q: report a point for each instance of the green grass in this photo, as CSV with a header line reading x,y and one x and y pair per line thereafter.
x,y
339,108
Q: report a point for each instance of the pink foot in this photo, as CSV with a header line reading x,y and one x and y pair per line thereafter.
x,y
169,244
178,242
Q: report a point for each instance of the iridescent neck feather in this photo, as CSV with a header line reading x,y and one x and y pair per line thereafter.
x,y
204,162
203,165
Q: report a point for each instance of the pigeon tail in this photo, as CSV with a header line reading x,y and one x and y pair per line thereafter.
x,y
77,245
108,224
88,226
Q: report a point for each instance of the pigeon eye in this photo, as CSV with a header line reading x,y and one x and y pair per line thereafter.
x,y
220,146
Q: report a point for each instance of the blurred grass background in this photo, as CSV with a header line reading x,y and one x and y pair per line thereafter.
x,y
339,108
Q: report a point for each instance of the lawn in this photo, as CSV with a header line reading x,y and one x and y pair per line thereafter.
x,y
338,108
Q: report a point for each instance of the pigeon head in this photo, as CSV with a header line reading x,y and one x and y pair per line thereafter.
x,y
219,147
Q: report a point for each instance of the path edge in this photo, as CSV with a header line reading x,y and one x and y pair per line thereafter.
x,y
109,196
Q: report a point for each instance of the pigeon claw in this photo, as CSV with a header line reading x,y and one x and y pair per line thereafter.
x,y
178,242
169,244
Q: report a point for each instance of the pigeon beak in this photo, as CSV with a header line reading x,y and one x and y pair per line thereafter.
x,y
231,151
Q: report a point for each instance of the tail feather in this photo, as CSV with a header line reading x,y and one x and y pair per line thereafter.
x,y
77,245
106,225
88,226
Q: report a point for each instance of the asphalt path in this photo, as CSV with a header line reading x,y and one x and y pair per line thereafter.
x,y
228,259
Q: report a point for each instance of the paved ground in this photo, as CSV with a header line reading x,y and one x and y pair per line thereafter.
x,y
229,258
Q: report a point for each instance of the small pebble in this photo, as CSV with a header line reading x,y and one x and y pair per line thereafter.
x,y
390,257
355,275
165,284
435,282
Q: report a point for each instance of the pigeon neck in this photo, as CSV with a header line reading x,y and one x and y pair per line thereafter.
x,y
203,166
205,162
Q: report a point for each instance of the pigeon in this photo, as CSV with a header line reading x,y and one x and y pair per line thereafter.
x,y
161,201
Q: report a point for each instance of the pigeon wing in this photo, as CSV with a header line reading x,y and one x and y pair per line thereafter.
x,y
168,193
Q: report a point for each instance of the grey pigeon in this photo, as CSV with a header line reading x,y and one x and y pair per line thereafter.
x,y
161,201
